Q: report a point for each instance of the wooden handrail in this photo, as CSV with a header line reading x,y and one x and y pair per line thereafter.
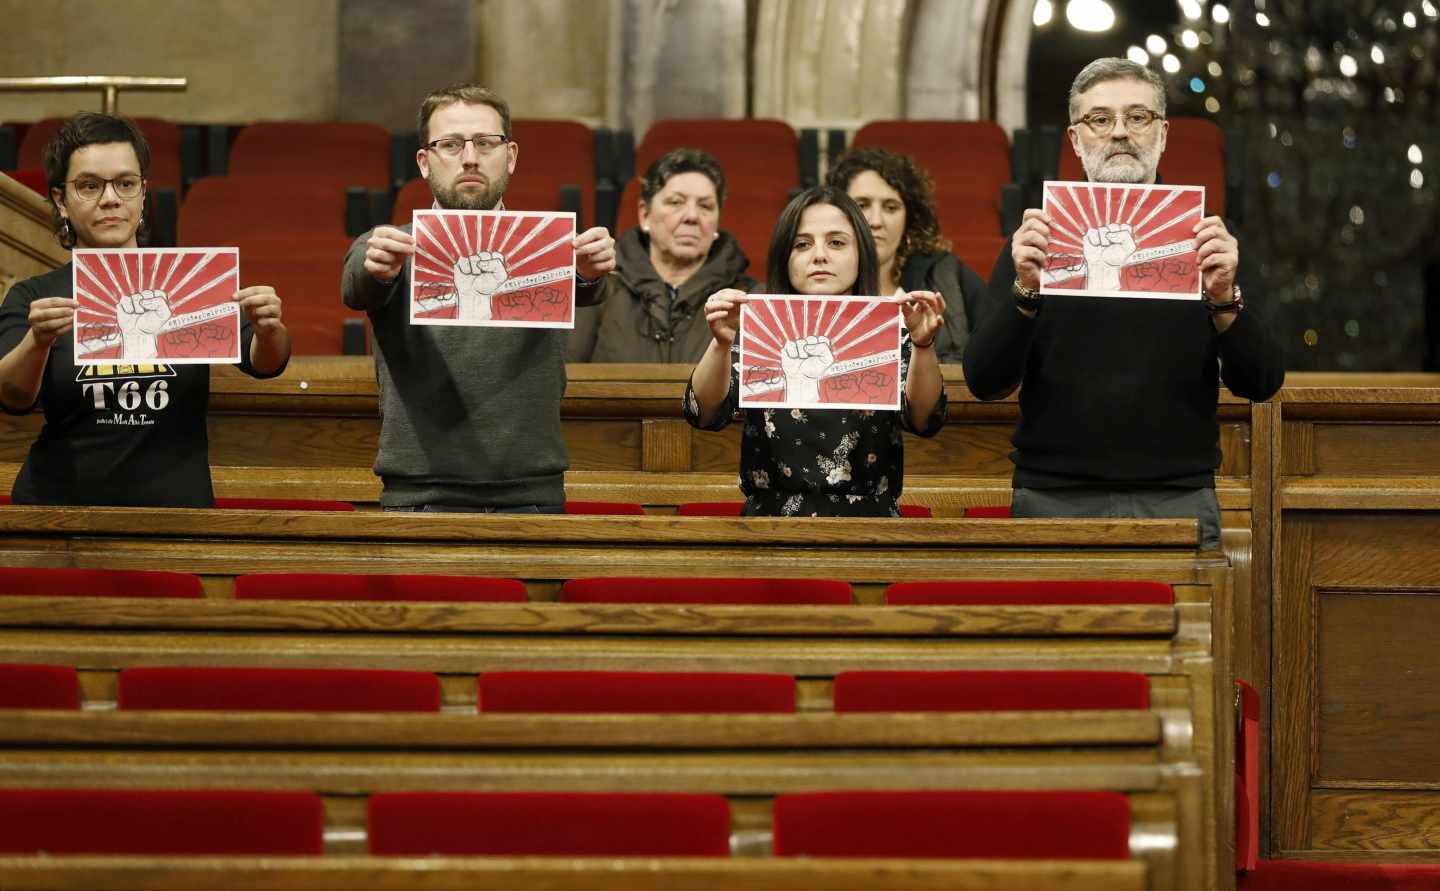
x,y
108,85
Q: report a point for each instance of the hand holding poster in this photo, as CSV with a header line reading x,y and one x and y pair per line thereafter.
x,y
493,268
146,304
1114,240
819,352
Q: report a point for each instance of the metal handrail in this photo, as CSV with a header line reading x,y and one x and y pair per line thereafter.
x,y
108,85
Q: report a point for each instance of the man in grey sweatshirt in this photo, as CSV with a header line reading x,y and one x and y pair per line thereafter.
x,y
469,416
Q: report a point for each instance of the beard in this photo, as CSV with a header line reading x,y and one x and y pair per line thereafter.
x,y
451,198
1123,162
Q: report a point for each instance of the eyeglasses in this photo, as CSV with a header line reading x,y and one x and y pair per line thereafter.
x,y
1136,120
90,188
454,146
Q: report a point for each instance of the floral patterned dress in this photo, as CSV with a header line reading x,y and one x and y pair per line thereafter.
x,y
820,462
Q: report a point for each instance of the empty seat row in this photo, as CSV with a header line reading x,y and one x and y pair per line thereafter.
x,y
1026,824
50,582
366,690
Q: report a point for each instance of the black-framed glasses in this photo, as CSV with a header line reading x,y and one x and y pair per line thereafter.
x,y
1136,120
454,146
90,188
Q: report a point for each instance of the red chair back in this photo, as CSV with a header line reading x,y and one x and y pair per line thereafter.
x,y
162,136
552,824
759,148
707,591
605,508
1008,825
635,691
989,691
278,689
1028,593
345,586
39,686
356,153
160,822
27,582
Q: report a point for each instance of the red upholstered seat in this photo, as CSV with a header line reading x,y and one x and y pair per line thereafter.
x,y
281,504
414,195
968,161
1301,875
343,586
1247,779
979,252
157,822
556,824
979,691
703,590
554,154
756,147
32,177
988,512
27,582
225,210
278,689
635,691
709,509
162,136
356,153
916,512
1027,593
39,686
605,508
989,824
1194,156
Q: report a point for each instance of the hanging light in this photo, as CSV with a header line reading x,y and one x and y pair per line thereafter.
x,y
1044,12
1348,66
1155,44
1137,55
1170,63
1094,16
1220,13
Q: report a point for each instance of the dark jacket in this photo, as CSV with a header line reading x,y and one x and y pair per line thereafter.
x,y
645,320
962,289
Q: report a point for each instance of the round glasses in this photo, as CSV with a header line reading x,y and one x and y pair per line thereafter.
x,y
90,188
1136,120
454,146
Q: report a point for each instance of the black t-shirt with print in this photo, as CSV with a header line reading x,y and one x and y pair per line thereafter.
x,y
114,434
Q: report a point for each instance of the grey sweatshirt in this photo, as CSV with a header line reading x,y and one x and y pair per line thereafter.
x,y
469,417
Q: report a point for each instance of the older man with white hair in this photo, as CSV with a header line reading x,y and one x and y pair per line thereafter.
x,y
1117,396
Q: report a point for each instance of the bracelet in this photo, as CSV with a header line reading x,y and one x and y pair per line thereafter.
x,y
1234,304
915,344
1027,299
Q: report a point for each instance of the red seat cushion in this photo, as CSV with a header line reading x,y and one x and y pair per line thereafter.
x,y
27,582
635,691
278,689
979,691
1298,875
990,824
518,824
1028,593
345,586
1247,779
988,512
125,821
34,178
713,591
281,504
916,512
39,686
614,508
710,509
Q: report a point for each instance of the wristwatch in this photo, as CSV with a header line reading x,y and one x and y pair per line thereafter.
x,y
1234,304
1028,299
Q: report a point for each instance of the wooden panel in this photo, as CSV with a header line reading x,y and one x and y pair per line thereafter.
x,y
1376,449
27,244
555,874
1376,821
1379,687
666,445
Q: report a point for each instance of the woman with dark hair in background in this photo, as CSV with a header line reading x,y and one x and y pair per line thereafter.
x,y
665,268
821,462
898,201
129,434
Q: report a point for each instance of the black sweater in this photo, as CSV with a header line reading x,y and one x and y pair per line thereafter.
x,y
1116,391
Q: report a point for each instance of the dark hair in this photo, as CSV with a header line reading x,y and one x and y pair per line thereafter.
x,y
89,128
901,173
469,94
1102,70
677,161
777,266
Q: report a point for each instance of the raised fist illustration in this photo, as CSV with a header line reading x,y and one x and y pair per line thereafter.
x,y
805,362
141,317
477,278
1106,251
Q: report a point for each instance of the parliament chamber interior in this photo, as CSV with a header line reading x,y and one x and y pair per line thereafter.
x,y
650,684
